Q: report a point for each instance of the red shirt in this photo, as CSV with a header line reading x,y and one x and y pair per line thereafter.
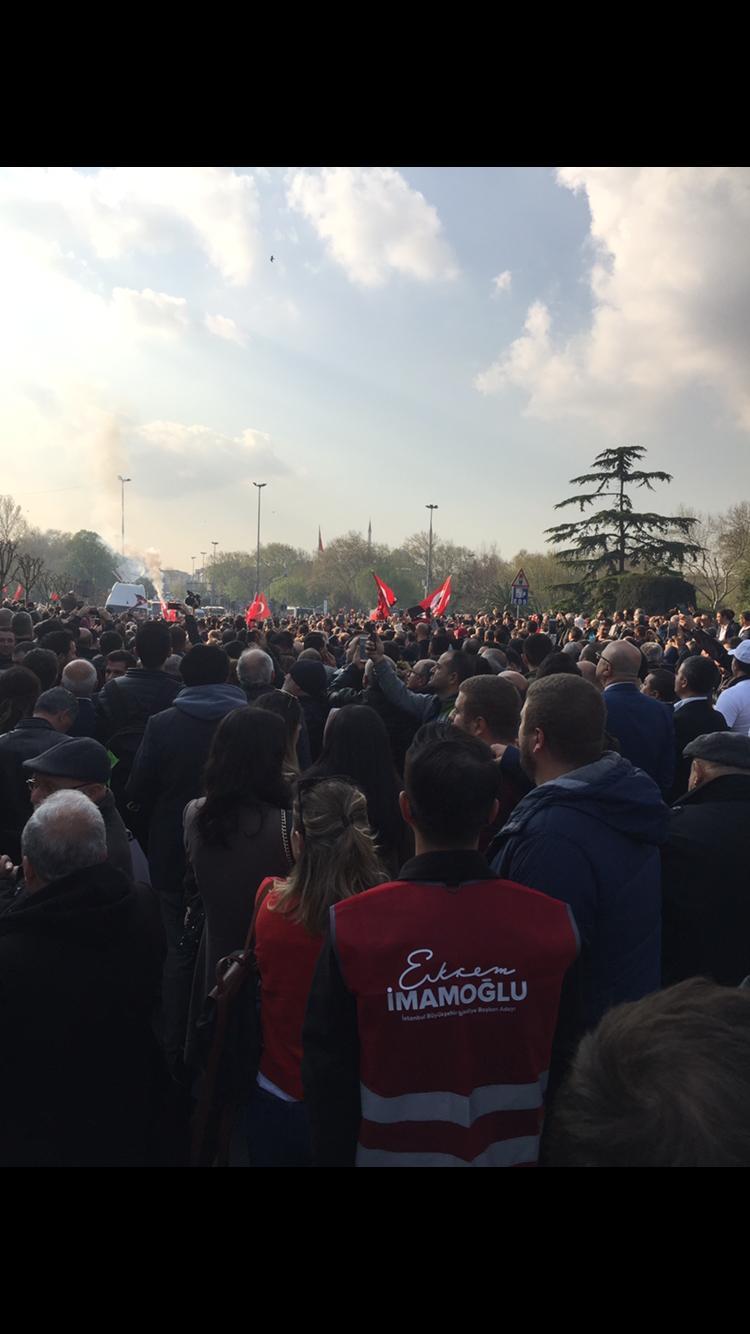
x,y
287,955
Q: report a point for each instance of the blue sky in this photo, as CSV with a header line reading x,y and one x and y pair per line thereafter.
x,y
377,364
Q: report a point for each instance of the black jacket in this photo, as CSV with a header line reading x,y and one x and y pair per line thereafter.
x,y
315,712
127,703
29,738
692,719
705,887
168,773
80,1071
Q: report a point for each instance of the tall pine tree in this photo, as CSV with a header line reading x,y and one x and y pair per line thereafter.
x,y
616,538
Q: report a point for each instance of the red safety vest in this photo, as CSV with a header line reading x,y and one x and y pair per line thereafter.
x,y
457,994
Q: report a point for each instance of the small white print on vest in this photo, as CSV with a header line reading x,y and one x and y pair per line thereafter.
x,y
462,992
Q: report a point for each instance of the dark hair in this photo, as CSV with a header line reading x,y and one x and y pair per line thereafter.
x,y
662,1082
536,648
289,710
153,644
701,674
22,624
109,640
495,700
462,665
177,638
43,663
356,746
243,769
122,655
451,781
556,663
439,643
662,681
205,665
315,640
59,641
233,648
725,611
19,689
570,712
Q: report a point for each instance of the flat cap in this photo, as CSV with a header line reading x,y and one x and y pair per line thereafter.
x,y
730,748
76,757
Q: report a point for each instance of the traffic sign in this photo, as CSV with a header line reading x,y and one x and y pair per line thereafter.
x,y
519,595
520,581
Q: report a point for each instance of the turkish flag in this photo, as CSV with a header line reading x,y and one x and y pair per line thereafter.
x,y
170,614
437,601
55,597
258,609
386,595
18,593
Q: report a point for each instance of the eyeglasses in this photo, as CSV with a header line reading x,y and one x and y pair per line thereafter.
x,y
306,784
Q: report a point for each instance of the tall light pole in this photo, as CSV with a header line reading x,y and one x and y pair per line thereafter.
x,y
193,560
429,552
260,486
203,569
123,480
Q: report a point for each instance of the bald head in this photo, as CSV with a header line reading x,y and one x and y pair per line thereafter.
x,y
620,661
80,678
517,680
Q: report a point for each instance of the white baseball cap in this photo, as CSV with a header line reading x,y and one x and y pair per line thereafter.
x,y
741,652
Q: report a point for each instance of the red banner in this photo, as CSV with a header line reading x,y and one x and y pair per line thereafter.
x,y
437,601
386,596
258,609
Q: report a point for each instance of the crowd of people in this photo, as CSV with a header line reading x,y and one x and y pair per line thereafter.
x,y
482,877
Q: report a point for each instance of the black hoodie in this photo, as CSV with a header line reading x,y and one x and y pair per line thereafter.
x,y
80,1072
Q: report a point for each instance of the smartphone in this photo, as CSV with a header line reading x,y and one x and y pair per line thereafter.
x,y
173,606
363,646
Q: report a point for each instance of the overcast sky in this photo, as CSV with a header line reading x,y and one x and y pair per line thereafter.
x,y
469,337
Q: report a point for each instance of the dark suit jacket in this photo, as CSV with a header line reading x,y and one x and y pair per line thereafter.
x,y
644,728
692,720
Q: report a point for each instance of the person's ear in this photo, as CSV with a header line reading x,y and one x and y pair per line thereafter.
x,y
405,808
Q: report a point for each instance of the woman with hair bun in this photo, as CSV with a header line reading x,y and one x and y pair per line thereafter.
x,y
335,857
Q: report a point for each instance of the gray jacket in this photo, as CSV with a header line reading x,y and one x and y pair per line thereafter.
x,y
425,708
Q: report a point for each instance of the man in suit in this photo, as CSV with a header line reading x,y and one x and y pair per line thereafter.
x,y
727,627
643,726
694,713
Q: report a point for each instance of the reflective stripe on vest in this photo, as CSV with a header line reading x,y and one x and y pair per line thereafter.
x,y
455,1107
505,1153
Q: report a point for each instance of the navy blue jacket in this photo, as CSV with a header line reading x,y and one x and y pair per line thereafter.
x,y
644,728
590,838
168,773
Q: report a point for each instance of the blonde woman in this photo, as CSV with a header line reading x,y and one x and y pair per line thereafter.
x,y
335,857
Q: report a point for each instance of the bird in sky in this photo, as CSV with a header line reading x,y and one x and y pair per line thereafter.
x,y
272,259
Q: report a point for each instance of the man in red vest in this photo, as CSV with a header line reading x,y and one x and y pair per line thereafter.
x,y
429,1030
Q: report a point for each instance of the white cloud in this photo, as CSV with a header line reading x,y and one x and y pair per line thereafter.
x,y
670,281
119,210
223,327
502,282
153,310
373,223
178,459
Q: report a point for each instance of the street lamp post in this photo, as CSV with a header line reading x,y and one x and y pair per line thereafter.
x,y
193,560
260,486
123,480
429,552
203,569
213,572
